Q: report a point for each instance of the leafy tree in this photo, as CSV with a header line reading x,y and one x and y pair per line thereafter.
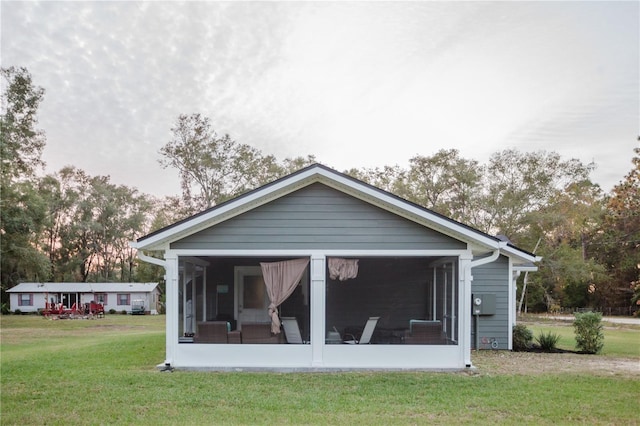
x,y
617,243
565,224
290,165
568,279
21,143
388,178
22,210
90,223
21,220
444,182
213,168
517,184
59,199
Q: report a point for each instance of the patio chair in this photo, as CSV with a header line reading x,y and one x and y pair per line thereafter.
x,y
291,330
259,333
425,332
365,338
212,332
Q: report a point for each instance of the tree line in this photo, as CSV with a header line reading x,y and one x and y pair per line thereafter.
x,y
71,226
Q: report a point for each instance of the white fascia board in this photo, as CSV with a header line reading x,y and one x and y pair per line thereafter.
x,y
344,253
517,268
520,255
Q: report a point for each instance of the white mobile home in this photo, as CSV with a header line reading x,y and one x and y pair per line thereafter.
x,y
30,297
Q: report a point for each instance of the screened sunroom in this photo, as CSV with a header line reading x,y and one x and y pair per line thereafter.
x,y
321,271
413,298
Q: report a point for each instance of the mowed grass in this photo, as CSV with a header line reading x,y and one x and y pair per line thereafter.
x,y
619,340
103,372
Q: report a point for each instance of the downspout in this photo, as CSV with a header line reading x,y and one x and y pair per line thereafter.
x,y
153,260
483,261
494,256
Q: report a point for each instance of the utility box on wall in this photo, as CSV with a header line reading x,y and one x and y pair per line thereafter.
x,y
483,304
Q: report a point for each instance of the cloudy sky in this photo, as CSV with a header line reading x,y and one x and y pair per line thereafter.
x,y
359,84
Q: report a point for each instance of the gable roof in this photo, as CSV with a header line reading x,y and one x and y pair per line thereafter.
x,y
83,288
318,173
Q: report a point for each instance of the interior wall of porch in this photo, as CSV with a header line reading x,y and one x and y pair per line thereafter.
x,y
394,289
220,304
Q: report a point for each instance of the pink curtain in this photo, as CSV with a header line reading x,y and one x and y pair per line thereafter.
x,y
342,269
281,279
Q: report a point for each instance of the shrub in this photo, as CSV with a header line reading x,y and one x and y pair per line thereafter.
x,y
588,329
123,312
522,337
547,341
17,312
112,311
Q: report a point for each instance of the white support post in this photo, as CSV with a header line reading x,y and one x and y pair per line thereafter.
x,y
318,311
171,280
444,297
204,294
184,280
464,298
454,317
434,294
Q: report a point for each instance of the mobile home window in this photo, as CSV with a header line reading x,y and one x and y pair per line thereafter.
x,y
101,298
124,299
25,299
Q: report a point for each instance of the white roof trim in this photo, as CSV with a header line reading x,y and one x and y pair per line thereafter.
x,y
53,287
517,254
523,268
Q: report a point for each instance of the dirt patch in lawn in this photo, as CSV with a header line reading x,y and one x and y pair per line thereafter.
x,y
531,363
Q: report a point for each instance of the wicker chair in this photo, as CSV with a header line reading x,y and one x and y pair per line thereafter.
x,y
212,332
423,332
253,332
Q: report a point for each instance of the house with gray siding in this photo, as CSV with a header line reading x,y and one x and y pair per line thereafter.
x,y
288,275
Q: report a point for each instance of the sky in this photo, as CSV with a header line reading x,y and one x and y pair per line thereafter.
x,y
357,84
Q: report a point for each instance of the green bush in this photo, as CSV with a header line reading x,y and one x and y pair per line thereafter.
x,y
547,341
17,312
588,329
522,337
112,311
123,312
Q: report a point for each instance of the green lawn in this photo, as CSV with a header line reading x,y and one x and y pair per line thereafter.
x,y
619,340
102,372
